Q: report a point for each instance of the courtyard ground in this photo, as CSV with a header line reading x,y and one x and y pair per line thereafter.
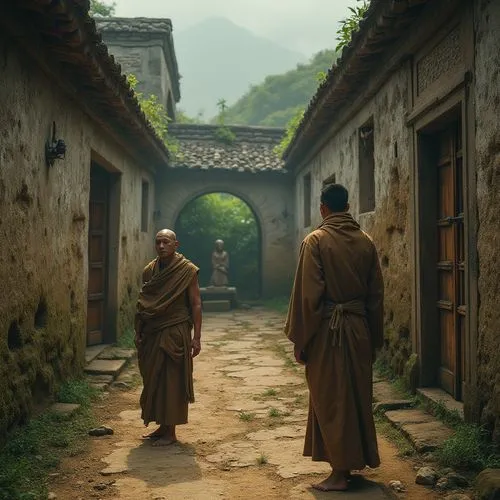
x,y
245,433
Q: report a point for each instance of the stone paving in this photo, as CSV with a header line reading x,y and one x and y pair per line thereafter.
x,y
245,434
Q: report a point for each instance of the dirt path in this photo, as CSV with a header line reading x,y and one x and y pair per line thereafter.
x,y
245,435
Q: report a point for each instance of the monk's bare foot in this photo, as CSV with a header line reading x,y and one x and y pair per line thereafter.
x,y
164,441
335,482
158,433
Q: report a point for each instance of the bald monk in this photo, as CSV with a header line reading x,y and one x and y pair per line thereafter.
x,y
335,320
169,305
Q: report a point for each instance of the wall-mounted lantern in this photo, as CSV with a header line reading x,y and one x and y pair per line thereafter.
x,y
55,149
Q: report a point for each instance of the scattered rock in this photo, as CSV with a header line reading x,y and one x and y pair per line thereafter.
x,y
64,409
101,431
426,476
100,487
51,496
397,486
121,385
443,484
446,471
457,480
488,484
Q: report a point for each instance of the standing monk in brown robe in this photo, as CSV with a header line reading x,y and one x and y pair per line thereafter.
x,y
169,305
335,320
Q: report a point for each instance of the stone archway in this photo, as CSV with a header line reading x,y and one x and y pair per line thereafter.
x,y
268,194
254,283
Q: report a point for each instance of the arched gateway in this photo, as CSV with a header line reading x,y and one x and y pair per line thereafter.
x,y
246,167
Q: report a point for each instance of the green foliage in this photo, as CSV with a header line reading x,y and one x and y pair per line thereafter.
x,y
34,450
246,417
182,117
102,9
126,339
350,25
291,129
223,133
156,114
468,449
277,99
221,215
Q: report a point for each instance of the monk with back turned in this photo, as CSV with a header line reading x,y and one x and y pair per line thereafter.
x,y
335,320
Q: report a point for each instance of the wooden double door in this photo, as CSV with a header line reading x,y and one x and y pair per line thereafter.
x,y
451,259
98,255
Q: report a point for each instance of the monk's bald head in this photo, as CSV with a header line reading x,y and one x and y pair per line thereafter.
x,y
167,233
166,243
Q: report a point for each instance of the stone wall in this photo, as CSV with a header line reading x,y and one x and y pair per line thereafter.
x,y
44,234
389,223
269,195
487,112
144,47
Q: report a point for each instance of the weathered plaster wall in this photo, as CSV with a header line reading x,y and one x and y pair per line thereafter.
x,y
44,233
268,194
389,224
487,111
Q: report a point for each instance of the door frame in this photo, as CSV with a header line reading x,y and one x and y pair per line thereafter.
x,y
111,306
458,103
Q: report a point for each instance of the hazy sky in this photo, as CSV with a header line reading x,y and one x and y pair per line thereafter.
x,y
303,25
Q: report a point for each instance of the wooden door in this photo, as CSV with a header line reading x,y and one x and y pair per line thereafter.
x,y
98,255
451,261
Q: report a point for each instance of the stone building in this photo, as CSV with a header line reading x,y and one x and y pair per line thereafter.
x,y
248,168
145,47
408,122
76,222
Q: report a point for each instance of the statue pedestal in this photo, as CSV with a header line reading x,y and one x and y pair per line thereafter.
x,y
218,298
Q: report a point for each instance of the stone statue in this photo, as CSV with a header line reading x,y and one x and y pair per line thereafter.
x,y
220,265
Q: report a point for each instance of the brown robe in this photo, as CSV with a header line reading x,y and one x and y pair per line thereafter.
x,y
336,317
164,355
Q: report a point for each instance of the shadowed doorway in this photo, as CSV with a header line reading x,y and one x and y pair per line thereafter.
x,y
223,216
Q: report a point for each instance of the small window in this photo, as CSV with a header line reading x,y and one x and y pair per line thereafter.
x,y
145,207
331,179
366,169
307,200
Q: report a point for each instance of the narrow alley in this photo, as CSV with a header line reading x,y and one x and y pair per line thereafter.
x,y
245,433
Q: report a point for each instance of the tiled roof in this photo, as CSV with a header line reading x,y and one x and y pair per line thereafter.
x,y
252,151
147,27
62,37
384,22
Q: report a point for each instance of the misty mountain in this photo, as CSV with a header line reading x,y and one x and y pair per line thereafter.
x,y
220,60
278,98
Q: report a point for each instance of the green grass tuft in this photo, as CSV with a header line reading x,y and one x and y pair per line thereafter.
x,y
246,417
126,339
34,450
270,392
468,449
262,459
274,413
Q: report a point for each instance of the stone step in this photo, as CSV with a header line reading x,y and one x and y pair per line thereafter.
x,y
93,351
111,367
216,305
64,409
424,431
438,396
116,353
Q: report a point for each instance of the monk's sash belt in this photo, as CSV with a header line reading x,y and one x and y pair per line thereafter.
x,y
337,314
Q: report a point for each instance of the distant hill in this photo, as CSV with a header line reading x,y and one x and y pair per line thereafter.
x,y
278,98
220,60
